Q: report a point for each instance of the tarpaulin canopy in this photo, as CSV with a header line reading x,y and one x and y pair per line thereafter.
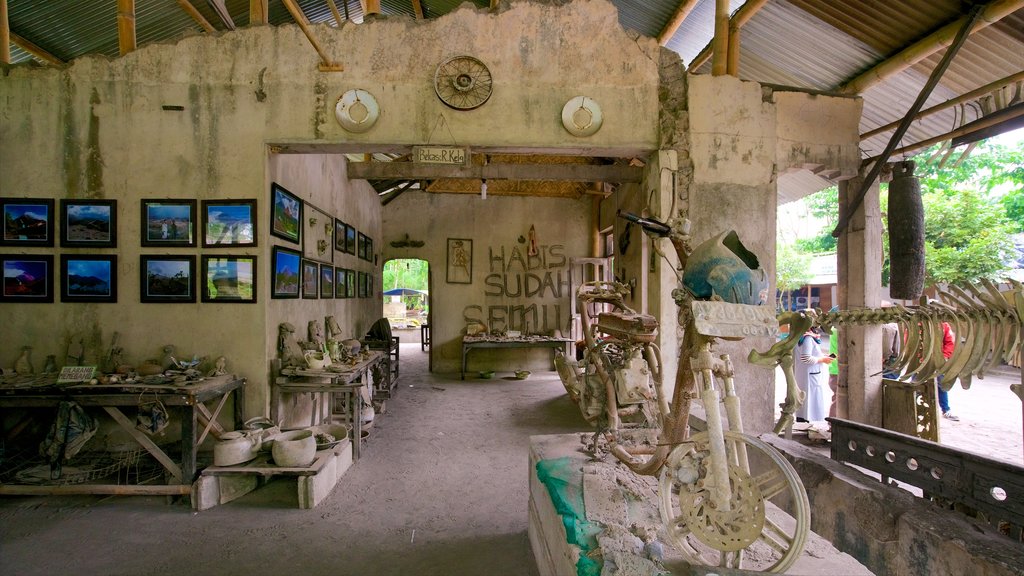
x,y
404,292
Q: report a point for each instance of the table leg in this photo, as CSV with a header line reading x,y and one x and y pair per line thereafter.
x,y
465,351
188,444
240,405
356,407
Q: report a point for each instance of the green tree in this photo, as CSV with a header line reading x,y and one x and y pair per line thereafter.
x,y
792,270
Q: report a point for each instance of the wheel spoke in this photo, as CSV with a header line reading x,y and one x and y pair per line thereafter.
x,y
731,559
771,483
773,535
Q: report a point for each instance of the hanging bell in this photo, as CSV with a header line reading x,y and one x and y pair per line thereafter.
x,y
906,233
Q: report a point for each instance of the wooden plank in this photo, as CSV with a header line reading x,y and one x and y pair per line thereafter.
x,y
259,12
35,50
126,41
145,441
210,420
115,489
5,34
556,172
191,11
261,466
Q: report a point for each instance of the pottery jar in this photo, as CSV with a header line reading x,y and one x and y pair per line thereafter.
x,y
294,449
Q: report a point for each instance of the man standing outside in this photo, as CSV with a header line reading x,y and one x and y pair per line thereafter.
x,y
948,342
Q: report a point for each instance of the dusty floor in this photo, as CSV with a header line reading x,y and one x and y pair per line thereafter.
x,y
441,489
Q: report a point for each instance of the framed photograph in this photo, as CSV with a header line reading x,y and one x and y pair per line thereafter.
x,y
361,248
88,223
460,261
369,249
229,279
27,222
340,287
317,243
27,278
88,278
350,283
350,239
326,281
310,279
168,222
339,235
229,223
285,214
286,267
167,278
362,285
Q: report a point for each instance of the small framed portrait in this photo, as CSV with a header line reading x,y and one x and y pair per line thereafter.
x,y
350,239
229,279
168,222
310,279
339,235
340,290
285,214
326,281
88,278
287,269
167,278
369,249
229,223
362,285
460,261
27,278
88,223
361,248
27,222
350,283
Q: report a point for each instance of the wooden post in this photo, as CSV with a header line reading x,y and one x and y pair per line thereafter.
x,y
126,26
196,15
732,67
258,13
370,7
326,65
720,51
5,35
417,8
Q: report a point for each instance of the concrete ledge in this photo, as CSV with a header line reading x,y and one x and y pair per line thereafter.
x,y
890,530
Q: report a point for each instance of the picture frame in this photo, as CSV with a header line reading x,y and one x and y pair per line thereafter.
x,y
169,222
339,235
350,239
285,214
229,223
28,278
88,223
369,249
318,243
286,270
88,278
326,281
229,278
167,279
340,286
350,283
361,248
310,279
27,222
459,268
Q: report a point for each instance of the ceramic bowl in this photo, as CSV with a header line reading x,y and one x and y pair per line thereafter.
x,y
294,449
487,374
522,374
338,431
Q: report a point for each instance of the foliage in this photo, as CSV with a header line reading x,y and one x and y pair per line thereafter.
x,y
406,274
792,269
967,237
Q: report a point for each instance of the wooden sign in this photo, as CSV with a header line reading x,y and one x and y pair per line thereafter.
x,y
70,374
441,155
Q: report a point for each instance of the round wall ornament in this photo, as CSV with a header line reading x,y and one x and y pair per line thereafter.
x,y
463,82
581,116
357,110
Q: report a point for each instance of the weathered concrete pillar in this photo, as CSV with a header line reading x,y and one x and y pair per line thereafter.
x,y
860,273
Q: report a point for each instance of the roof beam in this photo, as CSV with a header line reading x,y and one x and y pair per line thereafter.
x,y
126,26
259,13
191,11
557,172
992,13
335,13
35,50
326,65
5,35
370,7
417,8
738,20
684,9
222,12
973,94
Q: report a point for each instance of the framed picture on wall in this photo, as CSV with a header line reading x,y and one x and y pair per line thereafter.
x,y
362,285
229,279
310,279
229,223
369,249
285,265
326,281
167,278
88,278
350,239
361,248
88,223
350,283
460,261
27,222
285,214
340,290
168,222
339,235
27,278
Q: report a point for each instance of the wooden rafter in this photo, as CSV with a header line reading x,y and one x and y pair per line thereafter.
x,y
259,13
417,8
222,12
5,35
335,13
684,9
738,20
191,11
1002,117
937,40
126,26
35,50
556,172
326,64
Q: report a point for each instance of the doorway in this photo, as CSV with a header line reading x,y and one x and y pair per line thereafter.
x,y
405,287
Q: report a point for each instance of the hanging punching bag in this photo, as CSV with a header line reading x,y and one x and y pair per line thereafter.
x,y
906,233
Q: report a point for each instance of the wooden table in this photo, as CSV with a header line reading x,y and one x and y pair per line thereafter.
x,y
345,380
486,341
187,400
